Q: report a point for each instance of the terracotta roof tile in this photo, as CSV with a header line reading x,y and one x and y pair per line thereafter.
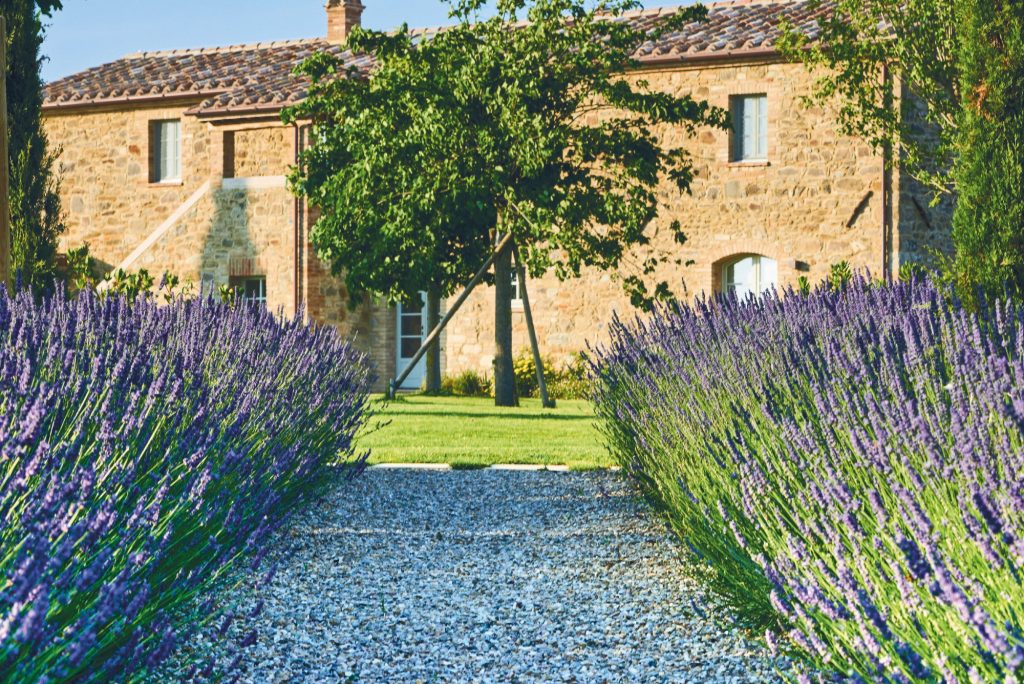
x,y
258,77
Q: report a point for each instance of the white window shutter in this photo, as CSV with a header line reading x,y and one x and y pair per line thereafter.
x,y
762,127
167,139
169,150
174,131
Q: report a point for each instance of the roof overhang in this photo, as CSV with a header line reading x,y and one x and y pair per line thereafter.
x,y
130,101
273,109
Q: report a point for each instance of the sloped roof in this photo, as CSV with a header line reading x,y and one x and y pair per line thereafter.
x,y
258,77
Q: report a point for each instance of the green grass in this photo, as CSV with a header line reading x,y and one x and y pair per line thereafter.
x,y
473,433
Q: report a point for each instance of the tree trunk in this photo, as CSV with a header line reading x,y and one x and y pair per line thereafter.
x,y
504,376
433,385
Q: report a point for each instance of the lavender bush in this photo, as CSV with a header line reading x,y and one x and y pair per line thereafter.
x,y
849,462
144,451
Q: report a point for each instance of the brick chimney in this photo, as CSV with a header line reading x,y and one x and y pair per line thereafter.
x,y
342,17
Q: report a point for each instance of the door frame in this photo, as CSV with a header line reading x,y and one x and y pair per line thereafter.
x,y
419,374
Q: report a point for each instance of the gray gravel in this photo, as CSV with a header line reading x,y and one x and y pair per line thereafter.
x,y
486,576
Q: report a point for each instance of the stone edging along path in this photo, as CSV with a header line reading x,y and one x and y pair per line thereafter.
x,y
414,574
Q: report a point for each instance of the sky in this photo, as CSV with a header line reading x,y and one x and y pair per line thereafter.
x,y
88,33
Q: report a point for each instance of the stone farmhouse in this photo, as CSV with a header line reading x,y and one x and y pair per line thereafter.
x,y
177,160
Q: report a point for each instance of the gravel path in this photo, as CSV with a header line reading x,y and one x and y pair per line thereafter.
x,y
487,576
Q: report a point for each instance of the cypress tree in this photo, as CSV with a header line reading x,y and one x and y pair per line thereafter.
x,y
988,226
36,218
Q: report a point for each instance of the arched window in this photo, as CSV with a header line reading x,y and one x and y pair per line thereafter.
x,y
750,275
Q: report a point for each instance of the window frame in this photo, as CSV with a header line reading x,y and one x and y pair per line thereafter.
x,y
239,283
728,286
159,163
738,108
517,292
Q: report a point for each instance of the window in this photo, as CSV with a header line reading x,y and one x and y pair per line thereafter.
x,y
165,151
750,128
517,293
750,275
250,288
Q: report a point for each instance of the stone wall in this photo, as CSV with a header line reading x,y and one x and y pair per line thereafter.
x,y
816,202
232,233
924,222
112,206
264,151
103,163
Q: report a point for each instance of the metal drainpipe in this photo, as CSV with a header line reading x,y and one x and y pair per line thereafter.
x,y
886,198
297,222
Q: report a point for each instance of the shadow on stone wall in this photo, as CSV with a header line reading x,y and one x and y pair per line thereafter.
x,y
229,249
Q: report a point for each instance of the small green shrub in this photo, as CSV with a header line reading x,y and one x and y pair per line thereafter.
x,y
526,374
82,272
468,383
911,271
840,275
573,381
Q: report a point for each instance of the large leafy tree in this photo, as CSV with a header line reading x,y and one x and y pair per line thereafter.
x,y
961,132
489,127
36,218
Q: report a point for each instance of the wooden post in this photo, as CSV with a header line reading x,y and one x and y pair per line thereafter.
x,y
542,386
436,332
5,205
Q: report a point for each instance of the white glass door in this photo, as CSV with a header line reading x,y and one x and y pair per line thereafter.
x,y
412,328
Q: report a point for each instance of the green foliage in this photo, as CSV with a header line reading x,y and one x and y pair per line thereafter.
x,y
959,123
525,371
468,383
911,271
988,226
862,48
532,130
803,286
83,273
227,294
36,217
840,275
572,381
130,285
522,123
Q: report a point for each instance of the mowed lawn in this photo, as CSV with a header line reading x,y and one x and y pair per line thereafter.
x,y
467,432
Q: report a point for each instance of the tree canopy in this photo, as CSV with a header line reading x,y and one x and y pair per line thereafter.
x,y
525,122
962,63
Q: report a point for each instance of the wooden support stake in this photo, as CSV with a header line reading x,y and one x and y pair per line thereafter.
x,y
436,332
545,401
5,205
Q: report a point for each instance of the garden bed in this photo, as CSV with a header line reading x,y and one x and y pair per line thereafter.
x,y
848,462
148,449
